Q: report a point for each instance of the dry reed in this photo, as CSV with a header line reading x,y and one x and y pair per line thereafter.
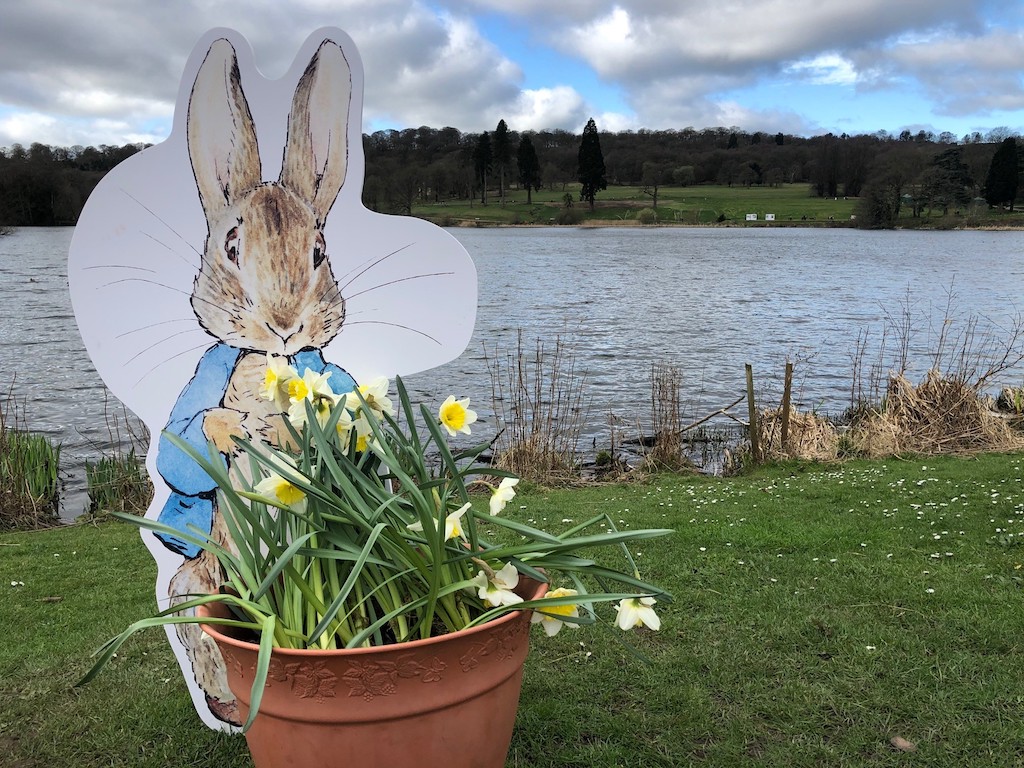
x,y
540,406
942,414
810,436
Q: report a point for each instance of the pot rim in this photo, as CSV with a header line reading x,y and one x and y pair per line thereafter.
x,y
537,592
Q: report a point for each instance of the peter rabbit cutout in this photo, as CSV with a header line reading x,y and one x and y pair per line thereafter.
x,y
244,234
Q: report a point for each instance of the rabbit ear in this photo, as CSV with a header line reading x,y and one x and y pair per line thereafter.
x,y
316,155
221,134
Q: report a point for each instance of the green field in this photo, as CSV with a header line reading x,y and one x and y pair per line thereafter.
x,y
792,204
819,612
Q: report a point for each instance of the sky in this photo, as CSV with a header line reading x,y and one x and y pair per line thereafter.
x,y
108,71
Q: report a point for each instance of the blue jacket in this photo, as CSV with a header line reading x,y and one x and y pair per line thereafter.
x,y
193,492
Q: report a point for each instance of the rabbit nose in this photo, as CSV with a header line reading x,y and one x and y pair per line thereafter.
x,y
285,334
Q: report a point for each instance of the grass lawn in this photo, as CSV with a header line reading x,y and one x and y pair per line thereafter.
x,y
819,611
792,204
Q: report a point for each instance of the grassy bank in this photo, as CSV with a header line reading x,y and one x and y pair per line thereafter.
x,y
820,611
792,205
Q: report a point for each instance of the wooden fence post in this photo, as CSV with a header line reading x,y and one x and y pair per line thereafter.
x,y
786,394
755,448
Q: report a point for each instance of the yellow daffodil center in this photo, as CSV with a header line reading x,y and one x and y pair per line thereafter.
x,y
560,610
270,379
287,493
298,390
454,415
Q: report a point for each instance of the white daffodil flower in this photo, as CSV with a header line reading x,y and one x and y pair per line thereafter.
x,y
637,611
503,494
314,388
363,431
452,524
455,415
497,590
275,380
281,489
375,393
548,616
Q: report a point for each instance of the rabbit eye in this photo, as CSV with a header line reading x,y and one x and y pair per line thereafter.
x,y
319,250
231,245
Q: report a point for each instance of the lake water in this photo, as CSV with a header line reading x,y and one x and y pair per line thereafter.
x,y
705,300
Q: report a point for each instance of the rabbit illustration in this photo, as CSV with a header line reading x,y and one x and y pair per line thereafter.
x,y
294,267
265,286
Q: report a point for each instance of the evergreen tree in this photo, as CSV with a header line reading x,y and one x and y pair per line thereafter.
x,y
590,170
482,159
529,168
501,147
1001,182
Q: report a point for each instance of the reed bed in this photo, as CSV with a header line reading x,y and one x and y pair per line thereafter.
x,y
941,414
30,482
540,402
117,481
809,436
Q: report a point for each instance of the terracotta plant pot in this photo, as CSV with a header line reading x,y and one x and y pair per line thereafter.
x,y
447,701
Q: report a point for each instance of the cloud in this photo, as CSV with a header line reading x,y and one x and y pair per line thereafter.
x,y
824,69
677,65
960,74
557,107
122,60
460,79
112,67
638,40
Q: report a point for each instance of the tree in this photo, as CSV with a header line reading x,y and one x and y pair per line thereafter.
x,y
879,205
501,146
590,170
651,178
947,181
529,168
482,159
1003,173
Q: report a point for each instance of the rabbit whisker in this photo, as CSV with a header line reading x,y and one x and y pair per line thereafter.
x,y
165,246
156,344
150,282
171,229
395,325
119,266
190,294
204,345
395,282
372,263
141,328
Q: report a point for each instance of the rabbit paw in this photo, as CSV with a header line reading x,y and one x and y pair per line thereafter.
x,y
221,424
200,576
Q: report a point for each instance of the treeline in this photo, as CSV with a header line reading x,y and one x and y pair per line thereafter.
x,y
47,186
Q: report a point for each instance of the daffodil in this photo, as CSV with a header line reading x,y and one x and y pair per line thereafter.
x,y
452,523
363,431
375,394
275,380
496,589
455,415
548,616
279,488
503,494
312,387
345,420
637,611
